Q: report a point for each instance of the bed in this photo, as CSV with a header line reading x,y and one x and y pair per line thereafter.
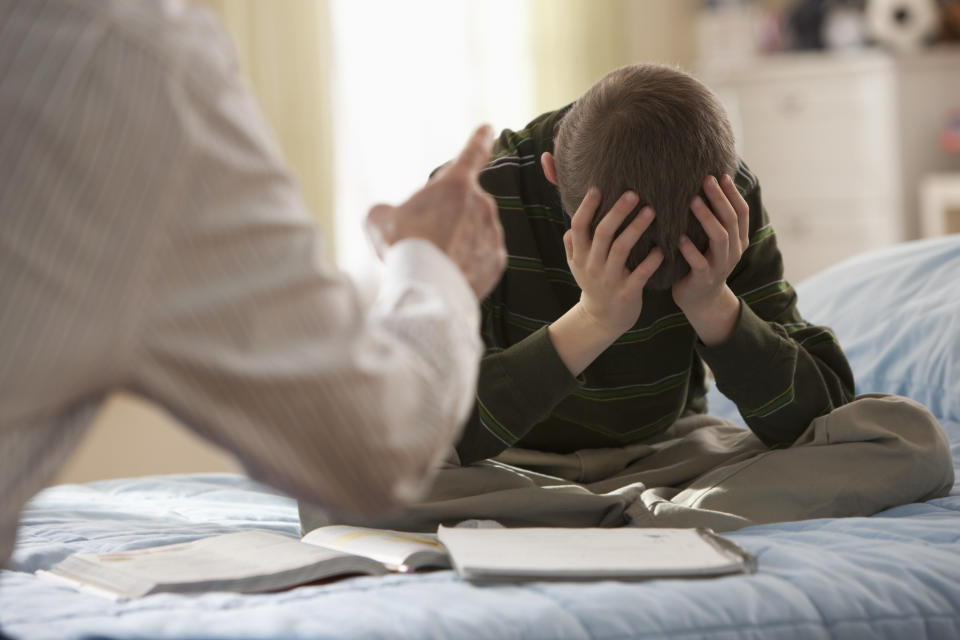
x,y
894,575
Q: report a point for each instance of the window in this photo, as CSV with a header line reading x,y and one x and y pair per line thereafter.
x,y
411,81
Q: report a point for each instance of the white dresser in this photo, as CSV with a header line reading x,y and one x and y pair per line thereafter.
x,y
840,144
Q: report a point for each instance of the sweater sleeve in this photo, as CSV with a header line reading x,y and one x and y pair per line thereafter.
x,y
780,371
518,387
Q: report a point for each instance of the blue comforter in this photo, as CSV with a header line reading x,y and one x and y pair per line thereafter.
x,y
894,575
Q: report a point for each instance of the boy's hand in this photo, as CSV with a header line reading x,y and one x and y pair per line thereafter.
x,y
453,212
612,296
703,295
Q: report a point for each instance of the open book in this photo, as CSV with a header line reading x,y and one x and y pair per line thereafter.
x,y
248,561
588,554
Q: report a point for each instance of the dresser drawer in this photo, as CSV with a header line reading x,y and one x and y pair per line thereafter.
x,y
832,136
837,130
814,233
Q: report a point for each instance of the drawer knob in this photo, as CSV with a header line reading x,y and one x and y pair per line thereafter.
x,y
791,104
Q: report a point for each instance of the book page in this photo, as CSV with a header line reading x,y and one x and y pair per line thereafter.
x,y
559,552
242,561
398,550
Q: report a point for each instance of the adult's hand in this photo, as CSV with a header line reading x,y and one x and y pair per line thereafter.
x,y
453,212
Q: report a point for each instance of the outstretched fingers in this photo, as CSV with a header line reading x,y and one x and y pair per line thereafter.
x,y
580,225
604,234
645,270
715,230
740,206
568,245
624,243
697,261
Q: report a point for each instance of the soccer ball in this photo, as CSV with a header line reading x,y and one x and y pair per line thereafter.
x,y
902,25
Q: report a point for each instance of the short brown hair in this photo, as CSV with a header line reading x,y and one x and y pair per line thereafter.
x,y
655,130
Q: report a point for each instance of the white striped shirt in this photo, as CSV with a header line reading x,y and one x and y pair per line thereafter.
x,y
152,240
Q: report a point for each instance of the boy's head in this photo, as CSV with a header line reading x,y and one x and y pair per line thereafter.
x,y
657,131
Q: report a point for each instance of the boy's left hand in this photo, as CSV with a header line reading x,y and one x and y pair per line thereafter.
x,y
703,295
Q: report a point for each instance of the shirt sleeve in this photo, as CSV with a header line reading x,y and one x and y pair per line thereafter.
x,y
254,341
519,387
780,371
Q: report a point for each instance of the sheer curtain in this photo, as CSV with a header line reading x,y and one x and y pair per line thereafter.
x,y
411,80
284,51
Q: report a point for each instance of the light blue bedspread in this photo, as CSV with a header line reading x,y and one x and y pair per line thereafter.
x,y
894,575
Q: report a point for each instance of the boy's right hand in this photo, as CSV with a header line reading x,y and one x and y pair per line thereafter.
x,y
611,295
453,212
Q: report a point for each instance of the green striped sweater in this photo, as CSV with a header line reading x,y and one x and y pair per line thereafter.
x,y
779,370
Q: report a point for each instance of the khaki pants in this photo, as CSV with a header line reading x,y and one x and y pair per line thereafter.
x,y
876,452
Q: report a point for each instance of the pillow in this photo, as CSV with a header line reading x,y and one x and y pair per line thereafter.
x,y
896,313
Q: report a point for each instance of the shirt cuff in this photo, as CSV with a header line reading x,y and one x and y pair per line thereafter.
x,y
418,260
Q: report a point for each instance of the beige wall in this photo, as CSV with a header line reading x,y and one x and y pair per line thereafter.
x,y
132,437
284,51
575,41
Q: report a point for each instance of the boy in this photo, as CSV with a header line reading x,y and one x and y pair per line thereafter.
x,y
591,405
